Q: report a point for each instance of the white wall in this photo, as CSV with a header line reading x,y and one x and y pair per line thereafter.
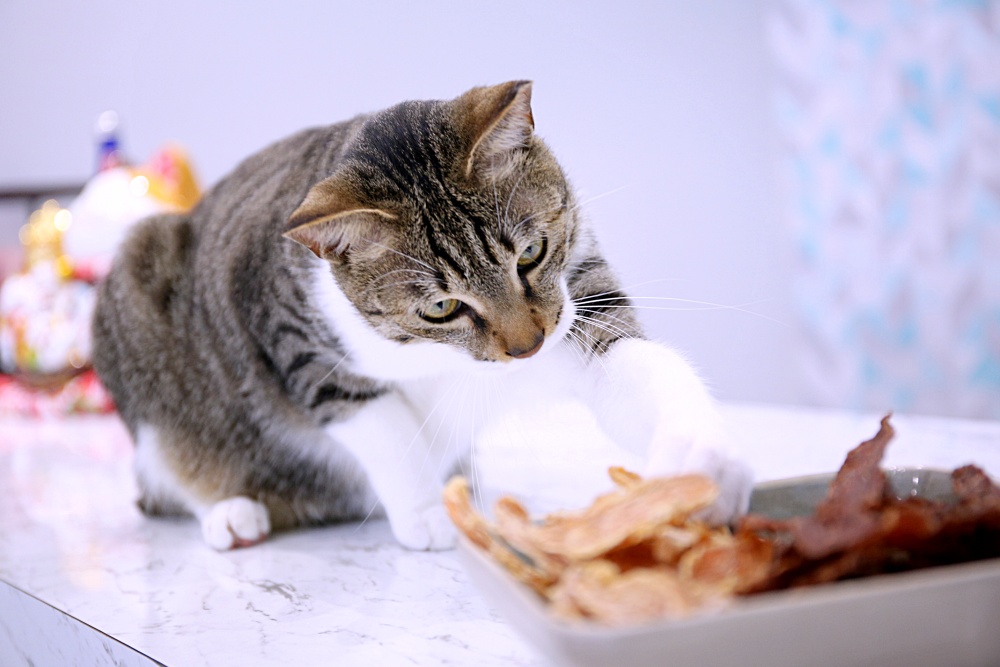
x,y
661,109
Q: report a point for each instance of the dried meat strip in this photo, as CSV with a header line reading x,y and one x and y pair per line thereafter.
x,y
860,483
624,517
848,515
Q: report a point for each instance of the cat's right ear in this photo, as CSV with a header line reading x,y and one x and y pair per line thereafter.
x,y
331,222
497,124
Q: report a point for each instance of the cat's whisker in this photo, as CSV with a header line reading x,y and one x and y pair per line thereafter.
x,y
367,516
631,286
605,326
476,481
329,373
706,307
624,322
532,217
600,196
454,439
496,197
610,335
482,397
447,394
398,283
668,298
608,297
591,316
581,349
403,254
409,447
611,296
490,408
524,221
596,340
589,301
379,282
510,198
620,290
588,348
419,272
484,415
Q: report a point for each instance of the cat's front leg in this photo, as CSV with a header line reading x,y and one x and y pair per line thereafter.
x,y
402,467
651,402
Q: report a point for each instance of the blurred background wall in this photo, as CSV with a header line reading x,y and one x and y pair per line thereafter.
x,y
889,114
672,117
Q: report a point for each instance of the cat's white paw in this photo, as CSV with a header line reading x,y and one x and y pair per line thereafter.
x,y
733,477
235,522
428,529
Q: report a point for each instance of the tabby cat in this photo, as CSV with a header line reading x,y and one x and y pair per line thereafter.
x,y
287,353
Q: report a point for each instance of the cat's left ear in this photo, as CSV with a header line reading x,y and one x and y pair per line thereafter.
x,y
331,222
498,124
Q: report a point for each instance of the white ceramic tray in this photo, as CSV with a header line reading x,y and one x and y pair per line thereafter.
x,y
938,617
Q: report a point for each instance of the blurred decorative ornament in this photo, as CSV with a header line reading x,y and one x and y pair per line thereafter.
x,y
108,131
83,393
44,312
118,197
42,237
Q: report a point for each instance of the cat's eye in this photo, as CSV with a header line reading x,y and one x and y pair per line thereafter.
x,y
532,255
441,311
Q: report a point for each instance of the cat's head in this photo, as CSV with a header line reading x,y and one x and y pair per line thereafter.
x,y
450,222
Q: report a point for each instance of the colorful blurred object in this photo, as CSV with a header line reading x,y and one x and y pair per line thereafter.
x,y
44,311
119,196
47,307
890,119
83,393
42,237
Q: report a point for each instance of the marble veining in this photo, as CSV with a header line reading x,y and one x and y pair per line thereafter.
x,y
84,565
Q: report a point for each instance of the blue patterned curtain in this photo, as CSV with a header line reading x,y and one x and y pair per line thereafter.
x,y
889,113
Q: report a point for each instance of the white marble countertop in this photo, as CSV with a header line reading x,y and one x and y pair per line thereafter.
x,y
86,579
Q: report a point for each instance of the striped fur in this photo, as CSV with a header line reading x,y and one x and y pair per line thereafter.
x,y
210,332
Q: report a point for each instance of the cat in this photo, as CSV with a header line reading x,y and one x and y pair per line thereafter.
x,y
293,351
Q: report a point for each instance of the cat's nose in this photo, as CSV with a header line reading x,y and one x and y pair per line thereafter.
x,y
525,352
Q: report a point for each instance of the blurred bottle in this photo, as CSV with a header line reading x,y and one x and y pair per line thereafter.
x,y
109,153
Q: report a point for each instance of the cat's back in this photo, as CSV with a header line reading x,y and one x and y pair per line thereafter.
x,y
271,183
182,286
136,314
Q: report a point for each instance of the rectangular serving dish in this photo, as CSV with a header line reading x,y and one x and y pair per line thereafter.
x,y
943,616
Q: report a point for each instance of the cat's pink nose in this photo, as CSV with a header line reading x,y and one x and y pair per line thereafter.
x,y
524,353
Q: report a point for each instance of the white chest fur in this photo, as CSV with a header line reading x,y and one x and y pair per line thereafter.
x,y
557,419
369,353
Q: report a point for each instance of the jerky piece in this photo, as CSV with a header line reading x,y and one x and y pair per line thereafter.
x,y
626,479
463,515
478,530
860,483
974,487
602,592
516,528
851,563
562,605
671,542
816,538
911,522
728,564
974,522
623,517
848,515
665,547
